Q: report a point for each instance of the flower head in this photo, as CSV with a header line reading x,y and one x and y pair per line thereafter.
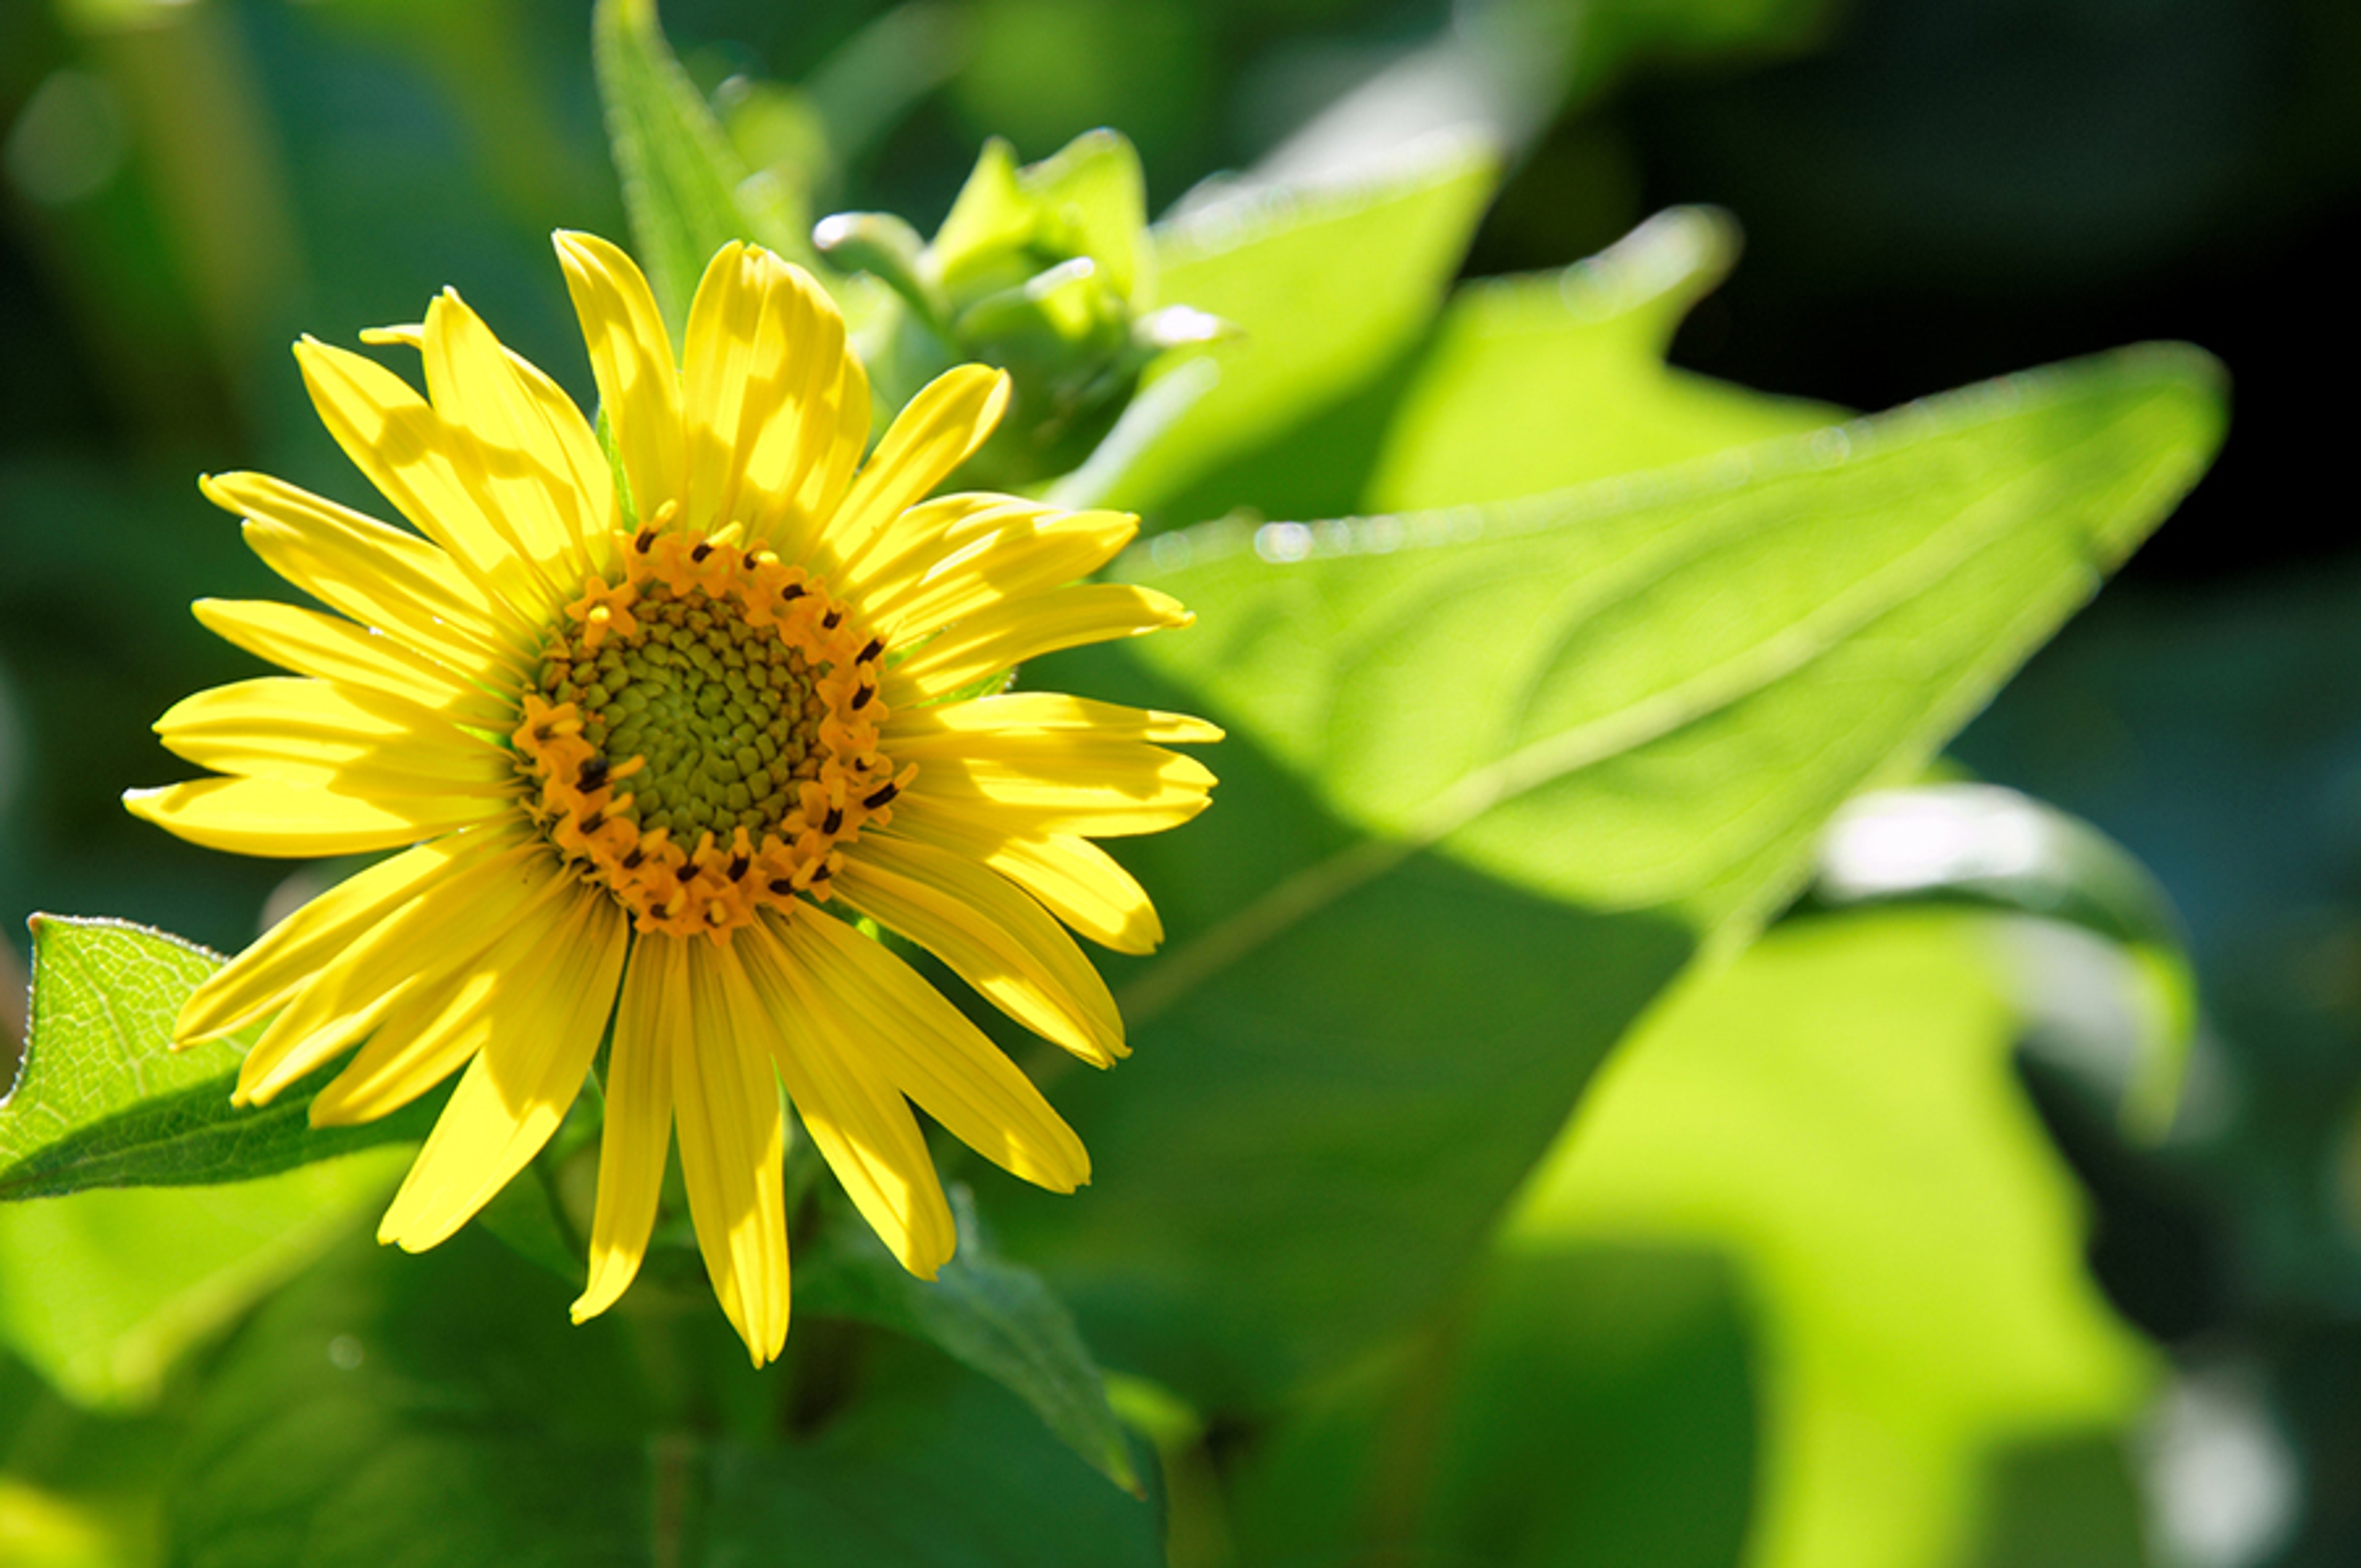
x,y
640,730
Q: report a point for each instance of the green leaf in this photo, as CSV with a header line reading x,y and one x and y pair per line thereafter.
x,y
102,1292
932,1468
441,1410
684,186
2075,1502
430,1410
104,1100
79,1487
1493,776
1274,262
1578,1407
1812,1174
986,1313
1538,383
1838,1115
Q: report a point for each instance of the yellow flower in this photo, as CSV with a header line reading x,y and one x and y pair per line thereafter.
x,y
637,734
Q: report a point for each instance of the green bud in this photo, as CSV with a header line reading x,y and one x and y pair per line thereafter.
x,y
1046,270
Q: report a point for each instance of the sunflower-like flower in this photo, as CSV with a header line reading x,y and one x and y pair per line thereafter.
x,y
641,729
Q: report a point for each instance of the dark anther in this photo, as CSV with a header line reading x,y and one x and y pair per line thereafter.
x,y
704,548
828,621
792,592
820,872
592,823
860,698
876,646
542,733
833,820
645,540
593,777
631,862
738,865
881,795
782,886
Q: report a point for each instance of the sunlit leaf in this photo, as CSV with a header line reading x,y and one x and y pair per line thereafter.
x,y
1836,1113
984,1311
1275,262
1801,1279
78,1480
1538,383
103,1291
1492,777
104,1100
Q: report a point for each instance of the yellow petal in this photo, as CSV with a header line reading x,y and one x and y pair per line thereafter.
x,y
270,817
377,575
870,999
289,954
315,733
918,542
582,456
310,1031
453,966
733,1145
1036,784
515,1093
942,425
332,648
649,1021
1074,879
432,469
410,957
1025,554
630,356
945,728
992,937
1005,635
531,459
860,1122
773,426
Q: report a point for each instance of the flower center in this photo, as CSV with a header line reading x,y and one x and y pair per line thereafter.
x,y
702,736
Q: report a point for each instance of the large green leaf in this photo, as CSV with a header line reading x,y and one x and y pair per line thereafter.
x,y
1838,1115
984,1311
1493,776
434,1409
1811,1172
1538,383
78,1485
103,1291
104,1100
1587,1406
933,1468
684,186
440,1410
1274,262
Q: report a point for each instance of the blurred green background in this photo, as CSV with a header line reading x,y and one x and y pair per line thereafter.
x,y
1932,192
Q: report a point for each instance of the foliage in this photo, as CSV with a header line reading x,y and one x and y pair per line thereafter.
x,y
1500,1175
